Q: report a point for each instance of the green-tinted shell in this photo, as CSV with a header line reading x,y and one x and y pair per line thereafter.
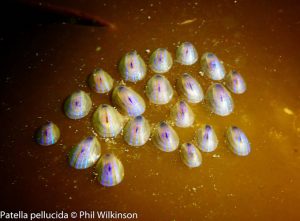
x,y
238,142
48,134
182,114
100,81
85,154
78,105
190,155
161,61
107,121
110,170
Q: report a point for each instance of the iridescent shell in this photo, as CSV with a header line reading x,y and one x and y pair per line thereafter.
x,y
235,82
186,54
132,67
212,67
219,100
47,134
206,138
100,81
128,101
190,155
137,131
110,170
182,114
85,154
237,141
107,121
159,90
189,88
161,60
165,137
78,105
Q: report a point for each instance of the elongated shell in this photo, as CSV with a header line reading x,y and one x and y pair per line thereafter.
x,y
165,137
100,81
190,155
235,82
85,154
110,170
206,138
137,131
107,121
78,105
132,67
159,90
189,88
128,101
186,54
212,67
182,114
48,134
237,141
161,60
219,100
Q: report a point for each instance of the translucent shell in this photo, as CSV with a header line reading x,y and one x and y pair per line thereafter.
x,y
212,67
206,138
107,121
78,105
47,134
190,155
182,114
110,170
128,101
85,154
186,54
219,100
100,81
189,88
235,82
132,67
159,90
165,137
237,141
137,131
161,60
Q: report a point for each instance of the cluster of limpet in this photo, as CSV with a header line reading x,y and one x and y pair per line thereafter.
x,y
129,106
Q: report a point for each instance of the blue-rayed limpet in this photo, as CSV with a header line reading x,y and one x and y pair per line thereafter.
x,y
219,100
190,155
137,131
206,138
107,121
132,67
186,54
182,115
235,82
47,134
237,141
212,67
165,137
78,105
161,60
128,101
110,170
189,88
100,81
159,90
85,154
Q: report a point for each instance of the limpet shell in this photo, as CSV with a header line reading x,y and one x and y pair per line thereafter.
x,y
107,121
212,67
190,155
165,137
85,154
186,54
77,105
238,142
161,61
110,170
48,134
100,81
206,138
